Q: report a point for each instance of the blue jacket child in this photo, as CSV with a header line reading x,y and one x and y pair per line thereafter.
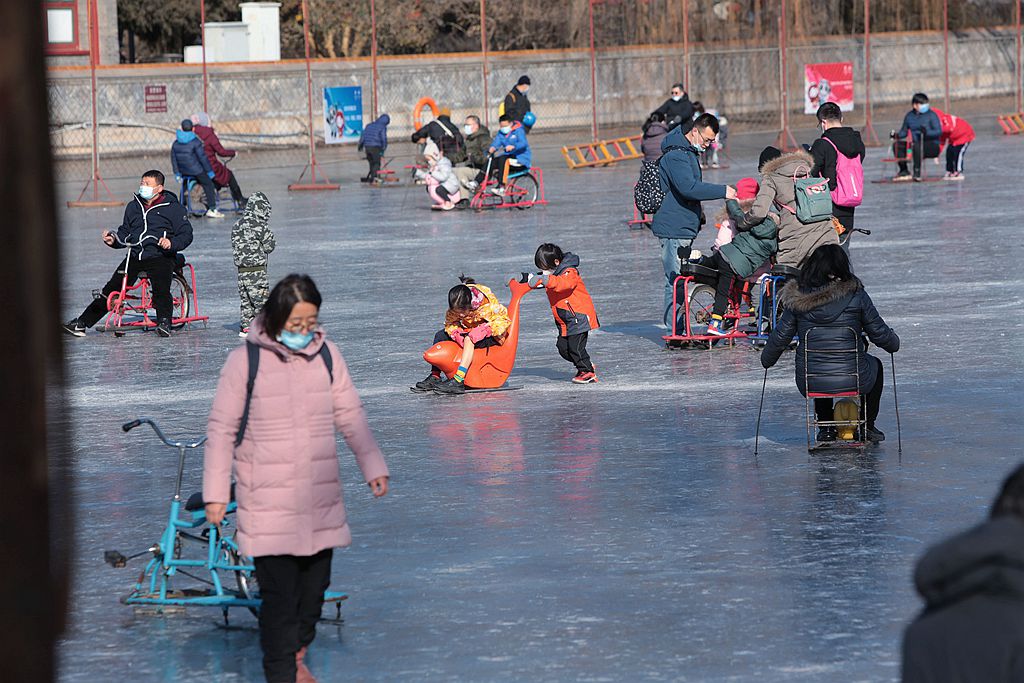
x,y
187,154
516,136
375,134
680,214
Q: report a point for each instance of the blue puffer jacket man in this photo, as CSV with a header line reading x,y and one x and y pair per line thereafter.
x,y
187,154
682,181
921,123
375,134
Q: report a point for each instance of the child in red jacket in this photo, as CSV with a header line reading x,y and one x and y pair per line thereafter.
x,y
957,134
571,305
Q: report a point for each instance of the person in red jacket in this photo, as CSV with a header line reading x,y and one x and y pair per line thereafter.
x,y
222,175
571,305
957,134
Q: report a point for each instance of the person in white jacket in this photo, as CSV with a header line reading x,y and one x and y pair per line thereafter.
x,y
442,184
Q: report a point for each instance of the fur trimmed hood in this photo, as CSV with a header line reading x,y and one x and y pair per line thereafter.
x,y
803,302
787,164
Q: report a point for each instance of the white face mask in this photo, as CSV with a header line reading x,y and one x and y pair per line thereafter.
x,y
467,129
676,98
147,192
506,129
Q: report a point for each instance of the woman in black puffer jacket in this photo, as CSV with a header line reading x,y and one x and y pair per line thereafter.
x,y
830,298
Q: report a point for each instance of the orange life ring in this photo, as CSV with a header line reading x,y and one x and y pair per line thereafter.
x,y
417,111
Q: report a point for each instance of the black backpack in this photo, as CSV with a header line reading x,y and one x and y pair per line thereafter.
x,y
647,193
253,352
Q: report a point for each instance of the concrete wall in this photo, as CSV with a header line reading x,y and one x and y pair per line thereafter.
x,y
264,105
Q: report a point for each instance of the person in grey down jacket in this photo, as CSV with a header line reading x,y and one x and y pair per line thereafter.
x,y
680,217
829,298
188,158
972,627
655,130
290,509
778,194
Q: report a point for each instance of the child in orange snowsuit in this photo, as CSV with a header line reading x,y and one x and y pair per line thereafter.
x,y
570,304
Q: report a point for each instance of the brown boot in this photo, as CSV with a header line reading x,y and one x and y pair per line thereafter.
x,y
302,673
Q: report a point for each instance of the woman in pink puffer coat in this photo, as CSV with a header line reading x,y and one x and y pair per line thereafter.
x,y
290,509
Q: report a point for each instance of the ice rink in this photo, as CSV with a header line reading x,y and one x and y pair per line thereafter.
x,y
621,531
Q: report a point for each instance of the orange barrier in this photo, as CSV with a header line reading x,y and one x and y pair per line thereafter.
x,y
417,111
602,152
1012,124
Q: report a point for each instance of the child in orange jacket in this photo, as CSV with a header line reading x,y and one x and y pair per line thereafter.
x,y
571,305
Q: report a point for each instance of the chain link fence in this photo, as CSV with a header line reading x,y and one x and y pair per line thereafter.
x,y
734,67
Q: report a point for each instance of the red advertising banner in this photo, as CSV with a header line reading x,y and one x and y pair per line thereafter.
x,y
832,82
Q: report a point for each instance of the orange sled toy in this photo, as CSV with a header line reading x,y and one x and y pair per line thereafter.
x,y
492,365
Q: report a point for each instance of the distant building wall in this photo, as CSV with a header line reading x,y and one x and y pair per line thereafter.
x,y
78,54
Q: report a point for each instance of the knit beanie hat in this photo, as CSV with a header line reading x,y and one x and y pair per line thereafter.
x,y
767,154
523,80
444,111
186,124
747,188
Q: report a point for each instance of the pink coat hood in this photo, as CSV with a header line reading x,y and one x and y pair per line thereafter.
x,y
286,468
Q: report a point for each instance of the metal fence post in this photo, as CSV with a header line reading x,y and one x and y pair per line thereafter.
x,y
686,45
870,136
202,31
95,179
785,136
311,165
945,45
1020,76
373,55
483,52
593,73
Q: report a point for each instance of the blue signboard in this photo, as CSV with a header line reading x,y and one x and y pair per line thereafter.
x,y
343,114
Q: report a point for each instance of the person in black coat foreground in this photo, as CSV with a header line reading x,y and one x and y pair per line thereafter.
x,y
972,626
831,299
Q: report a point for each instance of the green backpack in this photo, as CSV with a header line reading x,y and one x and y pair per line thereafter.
x,y
813,198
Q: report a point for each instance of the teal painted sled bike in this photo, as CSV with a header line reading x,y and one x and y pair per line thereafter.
x,y
191,548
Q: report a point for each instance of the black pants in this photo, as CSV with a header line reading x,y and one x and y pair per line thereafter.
x,y
724,284
373,157
574,349
928,148
442,193
159,271
236,191
209,189
497,168
292,589
955,158
871,400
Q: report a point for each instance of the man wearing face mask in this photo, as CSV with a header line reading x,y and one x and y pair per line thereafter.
x,y
155,228
925,129
680,217
516,103
478,139
677,109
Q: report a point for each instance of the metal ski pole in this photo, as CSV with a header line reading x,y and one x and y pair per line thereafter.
x,y
896,401
760,406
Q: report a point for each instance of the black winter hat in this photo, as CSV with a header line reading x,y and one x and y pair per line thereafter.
x,y
186,124
523,80
767,154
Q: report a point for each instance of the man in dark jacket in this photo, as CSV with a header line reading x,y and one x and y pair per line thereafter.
x,y
972,626
677,109
374,141
679,219
445,135
925,130
847,142
516,103
154,229
188,158
478,139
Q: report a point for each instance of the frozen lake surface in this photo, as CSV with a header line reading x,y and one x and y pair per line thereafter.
x,y
613,532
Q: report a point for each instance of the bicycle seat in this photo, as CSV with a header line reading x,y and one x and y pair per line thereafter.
x,y
687,268
785,271
195,501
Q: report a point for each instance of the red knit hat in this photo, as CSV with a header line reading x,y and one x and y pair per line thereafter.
x,y
747,188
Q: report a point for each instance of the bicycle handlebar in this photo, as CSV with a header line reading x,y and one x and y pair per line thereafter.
x,y
128,426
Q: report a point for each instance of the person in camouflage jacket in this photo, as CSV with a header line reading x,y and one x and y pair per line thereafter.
x,y
251,242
